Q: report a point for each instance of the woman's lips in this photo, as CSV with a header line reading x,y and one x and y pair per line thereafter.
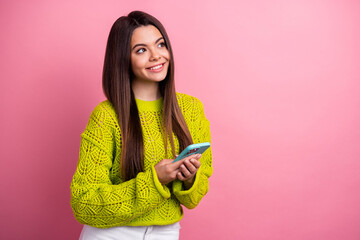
x,y
156,68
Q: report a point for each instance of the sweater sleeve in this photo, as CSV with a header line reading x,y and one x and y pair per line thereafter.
x,y
191,198
95,200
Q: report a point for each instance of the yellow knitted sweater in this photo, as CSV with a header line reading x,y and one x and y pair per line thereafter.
x,y
101,199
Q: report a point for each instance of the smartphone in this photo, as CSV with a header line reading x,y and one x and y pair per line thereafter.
x,y
193,149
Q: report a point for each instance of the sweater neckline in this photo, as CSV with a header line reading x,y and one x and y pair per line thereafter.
x,y
155,105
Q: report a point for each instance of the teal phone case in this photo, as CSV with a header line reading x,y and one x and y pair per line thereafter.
x,y
193,149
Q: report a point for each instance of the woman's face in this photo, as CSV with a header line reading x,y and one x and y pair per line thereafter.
x,y
149,54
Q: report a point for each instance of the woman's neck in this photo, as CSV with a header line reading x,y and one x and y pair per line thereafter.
x,y
147,91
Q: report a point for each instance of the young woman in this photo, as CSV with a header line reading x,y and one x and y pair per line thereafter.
x,y
126,185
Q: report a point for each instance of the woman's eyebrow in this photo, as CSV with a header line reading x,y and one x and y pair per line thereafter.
x,y
159,39
142,44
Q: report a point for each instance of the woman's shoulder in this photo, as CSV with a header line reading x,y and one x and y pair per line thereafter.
x,y
188,102
187,99
104,112
104,107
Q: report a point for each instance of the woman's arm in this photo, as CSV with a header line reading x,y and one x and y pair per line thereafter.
x,y
95,200
191,197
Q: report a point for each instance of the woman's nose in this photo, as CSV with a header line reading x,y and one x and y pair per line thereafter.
x,y
154,55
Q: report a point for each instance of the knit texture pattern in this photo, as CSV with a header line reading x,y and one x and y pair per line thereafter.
x,y
99,196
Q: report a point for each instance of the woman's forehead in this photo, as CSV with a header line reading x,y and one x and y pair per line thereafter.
x,y
145,35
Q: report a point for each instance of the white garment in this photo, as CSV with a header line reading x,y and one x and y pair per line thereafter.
x,y
154,232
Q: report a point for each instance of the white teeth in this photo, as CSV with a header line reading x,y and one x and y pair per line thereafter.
x,y
156,67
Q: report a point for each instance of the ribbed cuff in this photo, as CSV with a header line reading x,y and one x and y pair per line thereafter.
x,y
178,189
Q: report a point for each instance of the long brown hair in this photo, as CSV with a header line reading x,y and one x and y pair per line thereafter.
x,y
117,77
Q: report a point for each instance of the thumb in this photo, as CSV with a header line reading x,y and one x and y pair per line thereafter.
x,y
177,164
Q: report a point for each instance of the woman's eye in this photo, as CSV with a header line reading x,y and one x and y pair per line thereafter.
x,y
141,50
162,44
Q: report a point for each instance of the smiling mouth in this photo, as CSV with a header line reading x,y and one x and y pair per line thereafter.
x,y
156,67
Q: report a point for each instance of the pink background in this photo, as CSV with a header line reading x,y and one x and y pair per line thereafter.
x,y
280,81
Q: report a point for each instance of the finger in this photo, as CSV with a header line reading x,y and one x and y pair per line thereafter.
x,y
186,173
180,176
196,163
190,166
188,158
177,164
196,156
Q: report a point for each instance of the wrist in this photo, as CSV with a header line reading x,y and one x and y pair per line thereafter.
x,y
189,182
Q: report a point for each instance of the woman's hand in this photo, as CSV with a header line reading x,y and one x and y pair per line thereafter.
x,y
167,171
188,170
